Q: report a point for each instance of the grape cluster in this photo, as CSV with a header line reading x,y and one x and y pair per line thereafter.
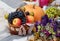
x,y
51,12
44,20
17,14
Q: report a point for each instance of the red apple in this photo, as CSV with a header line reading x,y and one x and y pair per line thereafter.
x,y
30,19
17,22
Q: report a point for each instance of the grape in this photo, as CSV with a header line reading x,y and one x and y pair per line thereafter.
x,y
23,20
54,25
10,18
58,12
51,20
17,14
58,35
21,14
37,23
51,11
44,20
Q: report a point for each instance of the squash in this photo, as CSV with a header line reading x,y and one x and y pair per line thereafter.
x,y
38,12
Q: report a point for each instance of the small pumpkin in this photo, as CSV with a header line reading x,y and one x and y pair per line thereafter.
x,y
38,12
33,9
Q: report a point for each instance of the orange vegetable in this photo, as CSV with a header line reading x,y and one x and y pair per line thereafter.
x,y
38,12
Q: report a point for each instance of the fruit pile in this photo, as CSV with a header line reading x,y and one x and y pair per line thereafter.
x,y
31,18
22,20
18,14
48,28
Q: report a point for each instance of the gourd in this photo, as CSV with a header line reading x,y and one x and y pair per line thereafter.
x,y
34,10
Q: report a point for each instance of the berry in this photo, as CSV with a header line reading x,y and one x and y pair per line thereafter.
x,y
17,14
44,20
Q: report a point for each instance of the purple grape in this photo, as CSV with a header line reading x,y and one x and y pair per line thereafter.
x,y
55,26
36,23
50,20
58,35
44,20
51,24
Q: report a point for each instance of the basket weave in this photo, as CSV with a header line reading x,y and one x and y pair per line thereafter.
x,y
15,30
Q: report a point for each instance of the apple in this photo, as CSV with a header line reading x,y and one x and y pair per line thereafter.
x,y
30,19
17,22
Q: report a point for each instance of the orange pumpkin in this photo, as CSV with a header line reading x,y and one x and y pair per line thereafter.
x,y
38,12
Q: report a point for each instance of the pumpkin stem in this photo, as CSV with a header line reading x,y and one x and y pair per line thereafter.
x,y
34,6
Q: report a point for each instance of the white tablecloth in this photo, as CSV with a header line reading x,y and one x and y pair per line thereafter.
x,y
4,35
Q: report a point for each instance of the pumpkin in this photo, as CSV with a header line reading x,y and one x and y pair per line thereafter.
x,y
37,11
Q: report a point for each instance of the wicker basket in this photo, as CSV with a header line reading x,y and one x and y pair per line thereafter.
x,y
15,30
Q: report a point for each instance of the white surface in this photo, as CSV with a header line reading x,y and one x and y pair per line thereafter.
x,y
4,35
13,3
29,2
36,2
22,39
3,10
3,23
6,7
